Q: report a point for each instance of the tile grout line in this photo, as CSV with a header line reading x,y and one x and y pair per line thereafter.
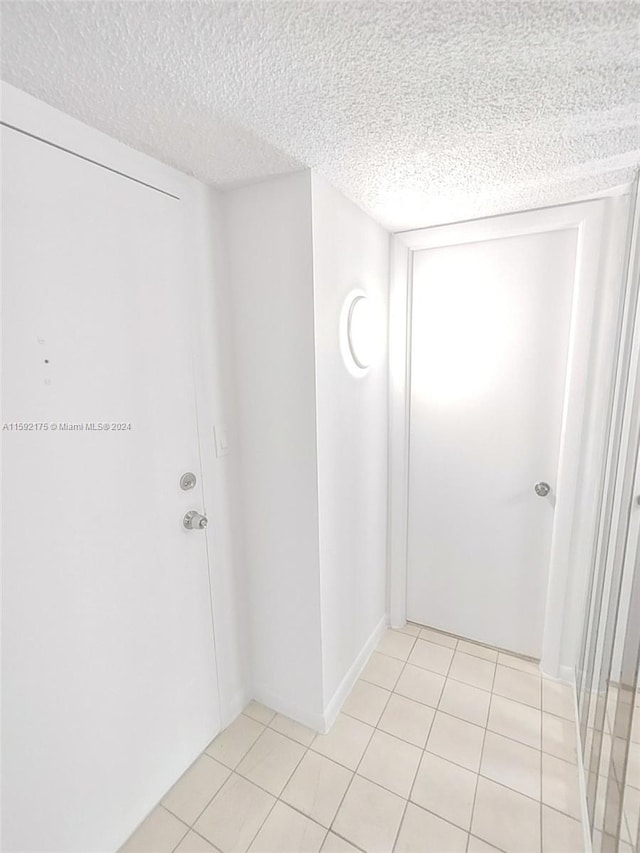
x,y
437,709
496,663
355,772
234,772
406,802
458,637
491,694
277,797
183,836
424,749
484,737
209,801
200,835
415,775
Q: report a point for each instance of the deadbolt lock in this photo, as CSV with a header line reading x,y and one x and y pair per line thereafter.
x,y
187,481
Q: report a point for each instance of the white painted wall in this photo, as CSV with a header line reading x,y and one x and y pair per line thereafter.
x,y
271,286
215,378
311,437
350,251
297,508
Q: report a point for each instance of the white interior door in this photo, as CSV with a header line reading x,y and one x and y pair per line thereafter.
x,y
489,345
109,680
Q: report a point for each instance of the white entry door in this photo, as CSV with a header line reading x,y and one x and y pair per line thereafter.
x,y
489,342
109,678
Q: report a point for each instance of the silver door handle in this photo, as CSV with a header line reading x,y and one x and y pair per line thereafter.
x,y
194,521
542,489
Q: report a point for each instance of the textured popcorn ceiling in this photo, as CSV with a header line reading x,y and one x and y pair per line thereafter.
x,y
421,112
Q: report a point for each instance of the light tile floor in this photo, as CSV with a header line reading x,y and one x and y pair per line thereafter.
x,y
443,746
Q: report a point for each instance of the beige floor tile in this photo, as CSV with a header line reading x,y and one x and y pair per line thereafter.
x,y
477,650
334,844
382,670
633,765
366,702
456,740
196,788
476,845
391,763
557,698
231,745
422,832
271,761
408,720
515,720
395,644
287,831
411,629
420,684
519,686
631,808
431,656
635,726
607,743
317,787
194,843
612,706
464,701
235,814
438,637
445,789
514,662
506,819
559,737
345,743
560,833
560,786
472,670
512,764
259,712
290,728
600,798
369,816
160,832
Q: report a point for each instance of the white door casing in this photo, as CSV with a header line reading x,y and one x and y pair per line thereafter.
x,y
109,671
585,219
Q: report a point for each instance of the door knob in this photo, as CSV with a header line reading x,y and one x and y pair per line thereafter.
x,y
542,489
194,521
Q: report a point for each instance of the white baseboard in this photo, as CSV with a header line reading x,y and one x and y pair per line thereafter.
x,y
557,672
236,705
332,709
307,718
322,722
567,674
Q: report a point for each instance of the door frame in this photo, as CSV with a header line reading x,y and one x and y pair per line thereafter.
x,y
585,217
